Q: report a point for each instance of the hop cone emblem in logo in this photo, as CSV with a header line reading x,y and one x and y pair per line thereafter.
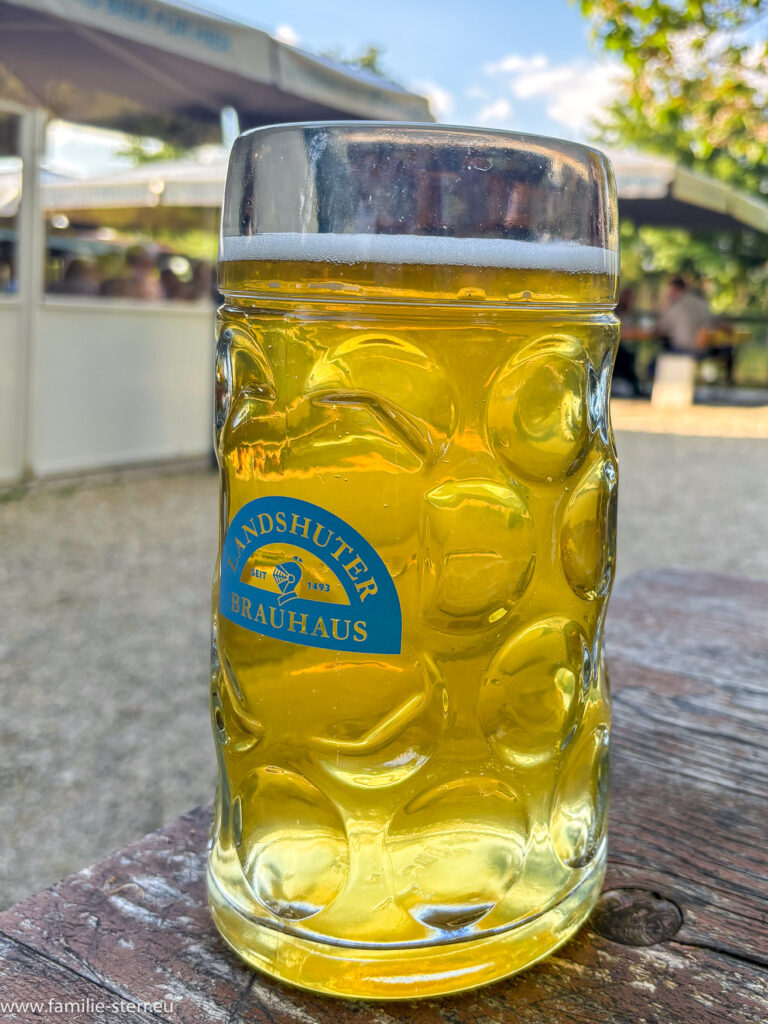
x,y
287,576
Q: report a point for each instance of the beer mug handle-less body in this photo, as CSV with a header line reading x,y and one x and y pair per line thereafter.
x,y
418,501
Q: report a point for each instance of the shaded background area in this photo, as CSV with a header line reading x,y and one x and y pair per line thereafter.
x,y
104,599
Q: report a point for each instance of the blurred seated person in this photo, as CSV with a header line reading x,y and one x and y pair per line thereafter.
x,y
138,279
685,317
80,277
680,327
688,326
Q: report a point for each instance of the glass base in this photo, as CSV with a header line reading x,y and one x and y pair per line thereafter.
x,y
406,972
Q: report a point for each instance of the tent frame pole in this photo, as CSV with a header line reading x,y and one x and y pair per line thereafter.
x,y
31,264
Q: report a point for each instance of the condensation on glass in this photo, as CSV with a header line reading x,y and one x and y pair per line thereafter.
x,y
418,504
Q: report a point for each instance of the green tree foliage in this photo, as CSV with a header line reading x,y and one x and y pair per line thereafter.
x,y
697,87
696,91
730,266
369,59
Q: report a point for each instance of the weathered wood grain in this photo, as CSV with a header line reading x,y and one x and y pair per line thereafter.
x,y
140,919
688,657
687,831
131,925
34,989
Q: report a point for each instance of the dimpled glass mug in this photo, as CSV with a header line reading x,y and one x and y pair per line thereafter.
x,y
418,501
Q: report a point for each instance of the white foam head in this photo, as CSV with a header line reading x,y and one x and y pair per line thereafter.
x,y
567,257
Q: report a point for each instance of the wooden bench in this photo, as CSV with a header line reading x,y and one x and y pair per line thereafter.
x,y
678,937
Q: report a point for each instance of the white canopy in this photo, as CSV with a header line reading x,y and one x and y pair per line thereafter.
x,y
653,190
162,68
194,181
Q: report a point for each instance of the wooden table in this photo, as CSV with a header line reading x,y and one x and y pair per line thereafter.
x,y
679,935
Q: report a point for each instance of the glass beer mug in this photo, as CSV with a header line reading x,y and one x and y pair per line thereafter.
x,y
418,505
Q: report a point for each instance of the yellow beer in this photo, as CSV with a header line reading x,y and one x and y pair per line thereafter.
x,y
412,787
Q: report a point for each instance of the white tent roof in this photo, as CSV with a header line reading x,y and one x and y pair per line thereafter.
x,y
186,182
653,190
10,183
192,181
159,67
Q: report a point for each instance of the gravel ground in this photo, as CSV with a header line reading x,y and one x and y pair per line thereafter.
x,y
104,601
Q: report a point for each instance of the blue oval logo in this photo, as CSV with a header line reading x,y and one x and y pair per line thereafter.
x,y
294,572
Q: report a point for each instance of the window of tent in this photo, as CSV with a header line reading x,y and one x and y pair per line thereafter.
x,y
151,255
10,198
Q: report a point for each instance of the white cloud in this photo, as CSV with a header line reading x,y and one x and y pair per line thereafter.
x,y
287,34
575,93
515,62
586,96
495,115
441,101
542,83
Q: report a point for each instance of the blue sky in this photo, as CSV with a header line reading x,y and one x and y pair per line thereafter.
x,y
521,64
525,65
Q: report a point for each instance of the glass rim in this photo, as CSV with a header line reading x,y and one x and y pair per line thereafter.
x,y
373,194
426,126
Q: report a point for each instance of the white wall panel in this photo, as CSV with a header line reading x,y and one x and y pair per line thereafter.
x,y
116,383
